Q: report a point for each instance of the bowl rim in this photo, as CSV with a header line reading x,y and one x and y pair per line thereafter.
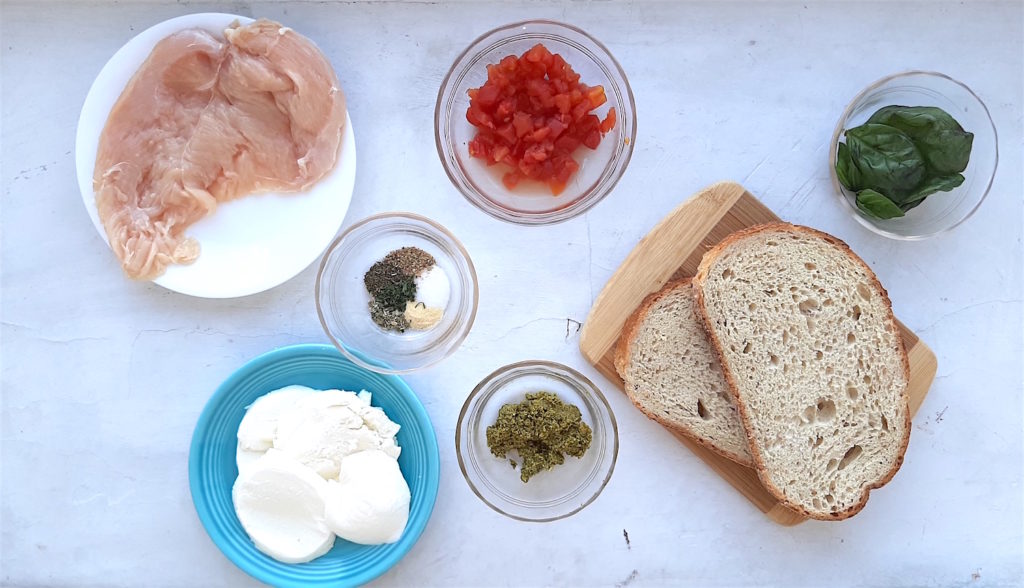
x,y
838,131
254,365
354,355
580,205
539,366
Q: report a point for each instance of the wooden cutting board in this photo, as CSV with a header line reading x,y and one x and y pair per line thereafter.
x,y
673,249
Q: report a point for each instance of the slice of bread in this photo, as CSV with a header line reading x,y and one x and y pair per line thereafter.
x,y
812,353
672,375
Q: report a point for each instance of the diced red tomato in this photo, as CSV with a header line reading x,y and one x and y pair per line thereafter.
x,y
532,114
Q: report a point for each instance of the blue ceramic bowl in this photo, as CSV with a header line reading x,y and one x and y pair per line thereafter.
x,y
212,470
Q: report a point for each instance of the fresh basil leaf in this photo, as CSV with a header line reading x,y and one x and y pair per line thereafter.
x,y
945,145
875,204
933,185
946,151
910,118
846,170
886,157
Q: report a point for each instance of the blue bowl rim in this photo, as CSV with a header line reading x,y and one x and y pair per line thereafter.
x,y
412,532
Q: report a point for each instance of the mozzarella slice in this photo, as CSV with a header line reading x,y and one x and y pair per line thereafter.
x,y
321,429
258,426
369,503
280,504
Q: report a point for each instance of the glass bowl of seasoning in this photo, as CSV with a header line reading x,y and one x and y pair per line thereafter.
x,y
537,441
914,155
396,292
535,122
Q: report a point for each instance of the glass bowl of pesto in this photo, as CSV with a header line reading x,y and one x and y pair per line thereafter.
x,y
911,103
549,494
365,328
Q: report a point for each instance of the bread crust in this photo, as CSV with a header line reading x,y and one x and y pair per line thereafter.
x,y
699,280
623,350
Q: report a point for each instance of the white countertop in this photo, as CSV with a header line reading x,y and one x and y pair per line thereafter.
x,y
103,378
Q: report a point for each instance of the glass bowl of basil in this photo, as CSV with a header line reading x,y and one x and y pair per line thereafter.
x,y
914,155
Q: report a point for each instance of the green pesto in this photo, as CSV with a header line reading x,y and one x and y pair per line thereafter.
x,y
542,430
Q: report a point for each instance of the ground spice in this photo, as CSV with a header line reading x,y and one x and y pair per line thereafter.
x,y
542,430
422,317
411,260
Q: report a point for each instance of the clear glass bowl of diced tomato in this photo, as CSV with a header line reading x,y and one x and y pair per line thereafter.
x,y
535,122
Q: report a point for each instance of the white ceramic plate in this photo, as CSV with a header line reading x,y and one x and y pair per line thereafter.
x,y
248,245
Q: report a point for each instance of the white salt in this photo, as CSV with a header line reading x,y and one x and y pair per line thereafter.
x,y
433,288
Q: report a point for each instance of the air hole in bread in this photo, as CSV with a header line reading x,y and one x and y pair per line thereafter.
x,y
864,290
818,441
727,274
830,499
826,410
785,337
818,355
771,243
832,463
702,411
885,423
751,307
773,359
746,347
816,502
809,306
827,302
851,454
811,323
829,370
852,392
810,266
808,415
867,379
856,312
851,338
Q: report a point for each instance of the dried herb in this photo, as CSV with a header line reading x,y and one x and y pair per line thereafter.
x,y
388,319
389,286
542,430
395,296
411,260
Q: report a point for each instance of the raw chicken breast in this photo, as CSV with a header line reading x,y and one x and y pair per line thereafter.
x,y
206,120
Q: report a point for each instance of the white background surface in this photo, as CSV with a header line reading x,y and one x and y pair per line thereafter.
x,y
103,378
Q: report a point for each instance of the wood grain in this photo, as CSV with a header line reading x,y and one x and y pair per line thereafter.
x,y
674,248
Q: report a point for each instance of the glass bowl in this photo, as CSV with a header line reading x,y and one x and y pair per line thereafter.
x,y
941,211
532,203
552,494
342,300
